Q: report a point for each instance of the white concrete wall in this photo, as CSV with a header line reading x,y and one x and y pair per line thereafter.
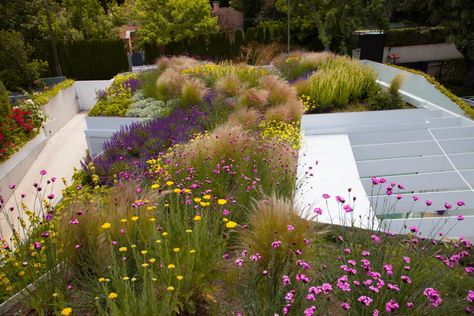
x,y
86,91
100,129
416,53
60,109
14,169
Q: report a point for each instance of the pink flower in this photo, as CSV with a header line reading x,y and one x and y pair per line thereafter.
x,y
388,269
469,269
428,203
399,196
340,199
410,304
327,288
326,196
302,278
43,172
318,211
460,217
401,186
276,244
393,287
74,221
433,296
345,306
12,186
376,312
391,306
50,196
239,262
406,259
470,296
406,279
285,280
303,264
310,311
460,203
290,228
365,253
347,250
415,198
366,300
413,229
347,208
225,212
375,238
447,206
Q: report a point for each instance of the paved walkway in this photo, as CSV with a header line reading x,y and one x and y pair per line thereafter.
x,y
61,154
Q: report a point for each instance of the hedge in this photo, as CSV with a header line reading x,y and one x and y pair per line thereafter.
x,y
463,105
416,36
87,59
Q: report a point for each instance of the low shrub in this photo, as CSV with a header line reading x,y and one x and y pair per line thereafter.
x,y
43,97
380,99
149,107
169,84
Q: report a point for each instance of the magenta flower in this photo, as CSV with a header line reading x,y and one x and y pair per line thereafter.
x,y
43,172
469,270
375,181
326,196
12,186
470,296
303,264
433,296
428,203
382,180
406,259
415,198
327,288
447,206
401,186
375,238
276,244
37,245
365,253
310,297
239,262
74,221
388,269
50,196
347,208
413,229
393,287
290,228
285,280
376,312
225,212
406,279
391,306
345,306
410,304
310,311
460,217
340,199
460,203
399,196
302,278
318,211
366,300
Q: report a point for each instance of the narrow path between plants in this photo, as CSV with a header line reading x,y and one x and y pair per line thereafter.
x,y
61,154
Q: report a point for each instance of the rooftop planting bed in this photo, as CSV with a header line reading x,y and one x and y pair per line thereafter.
x,y
191,212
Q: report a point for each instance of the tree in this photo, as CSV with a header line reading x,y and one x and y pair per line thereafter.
x,y
334,21
163,21
16,69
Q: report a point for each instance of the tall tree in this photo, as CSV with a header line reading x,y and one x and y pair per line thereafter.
x,y
163,21
334,20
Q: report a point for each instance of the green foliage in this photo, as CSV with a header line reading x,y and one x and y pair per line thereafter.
x,y
163,22
150,107
87,59
416,36
5,108
43,97
17,71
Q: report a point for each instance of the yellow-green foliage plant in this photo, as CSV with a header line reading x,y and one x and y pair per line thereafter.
x,y
192,92
43,97
463,105
169,84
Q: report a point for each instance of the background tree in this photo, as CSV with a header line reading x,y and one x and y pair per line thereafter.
x,y
334,21
162,21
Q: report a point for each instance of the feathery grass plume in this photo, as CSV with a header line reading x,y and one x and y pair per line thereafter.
x,y
192,92
396,83
316,59
228,86
275,219
279,91
177,63
247,118
290,111
254,98
169,84
260,54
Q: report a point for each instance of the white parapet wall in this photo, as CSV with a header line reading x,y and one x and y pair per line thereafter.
x,y
60,109
100,129
416,53
86,92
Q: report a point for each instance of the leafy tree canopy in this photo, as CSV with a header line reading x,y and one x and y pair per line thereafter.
x,y
162,21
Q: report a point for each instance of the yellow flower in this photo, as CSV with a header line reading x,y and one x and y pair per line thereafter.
x,y
206,197
21,273
225,219
124,220
66,311
125,278
179,277
170,288
113,295
203,204
152,219
150,208
189,231
152,260
134,218
123,249
176,250
197,200
164,234
154,279
106,225
171,266
231,224
155,186
158,241
133,246
144,252
192,251
197,218
177,190
187,190
169,183
101,280
145,265
222,202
